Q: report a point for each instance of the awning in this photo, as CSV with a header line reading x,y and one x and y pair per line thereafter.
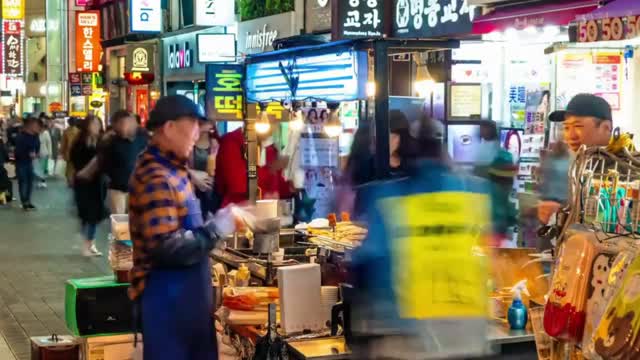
x,y
538,15
618,8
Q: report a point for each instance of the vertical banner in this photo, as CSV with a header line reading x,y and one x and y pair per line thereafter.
x,y
13,40
88,47
225,91
12,9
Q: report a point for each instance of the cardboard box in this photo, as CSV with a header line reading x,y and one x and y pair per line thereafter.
x,y
113,347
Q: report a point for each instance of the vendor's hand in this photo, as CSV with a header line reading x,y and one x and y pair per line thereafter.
x,y
546,209
223,223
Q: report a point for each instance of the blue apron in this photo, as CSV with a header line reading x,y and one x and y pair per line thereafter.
x,y
177,306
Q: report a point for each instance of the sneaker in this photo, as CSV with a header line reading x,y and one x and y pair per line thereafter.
x,y
28,207
90,251
43,185
95,250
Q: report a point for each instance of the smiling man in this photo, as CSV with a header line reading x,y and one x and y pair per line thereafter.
x,y
587,121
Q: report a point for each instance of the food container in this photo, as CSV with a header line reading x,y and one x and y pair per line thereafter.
x,y
120,227
266,240
319,349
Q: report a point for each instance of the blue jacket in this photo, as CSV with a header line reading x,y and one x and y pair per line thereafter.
x,y
373,266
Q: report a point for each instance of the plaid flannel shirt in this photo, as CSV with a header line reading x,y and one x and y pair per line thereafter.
x,y
159,189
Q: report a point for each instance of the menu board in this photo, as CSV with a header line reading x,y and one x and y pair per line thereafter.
x,y
465,101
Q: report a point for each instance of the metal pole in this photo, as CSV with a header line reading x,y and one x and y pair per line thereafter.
x,y
381,76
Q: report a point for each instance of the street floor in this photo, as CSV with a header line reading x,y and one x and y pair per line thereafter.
x,y
39,251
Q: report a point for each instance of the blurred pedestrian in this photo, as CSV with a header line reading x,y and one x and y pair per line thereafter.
x,y
117,155
6,187
27,147
408,275
203,167
89,194
56,138
69,137
400,144
42,162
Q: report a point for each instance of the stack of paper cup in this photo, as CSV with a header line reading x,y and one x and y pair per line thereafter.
x,y
267,209
329,297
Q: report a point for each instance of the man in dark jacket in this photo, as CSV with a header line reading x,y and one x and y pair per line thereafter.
x,y
27,148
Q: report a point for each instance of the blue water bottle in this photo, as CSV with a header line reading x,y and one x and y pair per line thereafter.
x,y
517,315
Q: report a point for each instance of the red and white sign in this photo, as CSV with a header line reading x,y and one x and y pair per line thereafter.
x,y
88,47
609,29
13,51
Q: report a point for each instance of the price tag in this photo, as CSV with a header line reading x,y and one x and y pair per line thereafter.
x,y
436,273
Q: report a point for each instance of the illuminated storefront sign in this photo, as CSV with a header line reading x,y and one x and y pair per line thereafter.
x,y
180,56
224,92
145,16
439,18
88,48
330,77
12,9
140,58
13,51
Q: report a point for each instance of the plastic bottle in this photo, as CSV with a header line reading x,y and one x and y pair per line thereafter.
x,y
591,206
243,275
517,314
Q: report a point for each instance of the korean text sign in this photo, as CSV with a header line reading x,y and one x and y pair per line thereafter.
x,y
429,18
145,16
88,47
12,9
361,18
13,64
225,92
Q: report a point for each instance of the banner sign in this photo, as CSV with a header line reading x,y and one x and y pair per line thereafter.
x,y
423,19
12,9
609,29
140,58
224,92
145,16
13,51
88,47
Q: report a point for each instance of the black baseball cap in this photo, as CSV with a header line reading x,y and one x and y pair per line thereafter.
x,y
584,105
173,107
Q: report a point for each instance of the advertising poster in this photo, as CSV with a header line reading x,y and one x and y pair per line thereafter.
x,y
589,71
319,160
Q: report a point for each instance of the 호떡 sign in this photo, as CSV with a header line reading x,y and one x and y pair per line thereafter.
x,y
224,92
88,47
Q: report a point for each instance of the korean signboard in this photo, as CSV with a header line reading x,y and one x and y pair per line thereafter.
x,y
82,3
216,48
214,12
224,92
361,19
88,47
12,9
13,52
140,58
145,16
430,18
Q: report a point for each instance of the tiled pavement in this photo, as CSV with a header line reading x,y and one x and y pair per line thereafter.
x,y
38,252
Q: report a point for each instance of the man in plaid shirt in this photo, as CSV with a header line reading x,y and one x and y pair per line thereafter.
x,y
171,277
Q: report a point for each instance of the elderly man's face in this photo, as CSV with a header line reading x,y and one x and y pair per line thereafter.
x,y
182,135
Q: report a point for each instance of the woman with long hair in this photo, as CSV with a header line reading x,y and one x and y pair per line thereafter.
x,y
89,194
